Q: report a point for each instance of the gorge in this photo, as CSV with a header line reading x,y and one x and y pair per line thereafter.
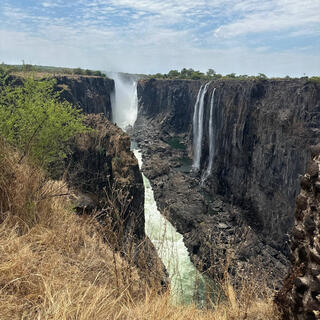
x,y
187,285
224,160
262,132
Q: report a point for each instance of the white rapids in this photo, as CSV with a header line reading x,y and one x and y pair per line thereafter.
x,y
211,140
186,282
198,126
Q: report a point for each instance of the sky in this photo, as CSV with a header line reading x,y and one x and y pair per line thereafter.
x,y
274,37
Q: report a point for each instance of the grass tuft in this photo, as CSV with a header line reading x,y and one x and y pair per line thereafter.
x,y
55,265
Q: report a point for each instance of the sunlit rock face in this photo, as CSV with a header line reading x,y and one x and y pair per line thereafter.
x,y
300,296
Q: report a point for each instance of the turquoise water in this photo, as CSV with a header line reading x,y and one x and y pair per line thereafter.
x,y
187,284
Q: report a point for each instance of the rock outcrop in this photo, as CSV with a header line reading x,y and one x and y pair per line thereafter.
x,y
104,169
105,176
262,133
91,94
300,296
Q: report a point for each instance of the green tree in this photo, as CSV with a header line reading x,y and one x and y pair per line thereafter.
x,y
36,121
78,71
97,73
231,75
262,76
211,73
173,74
197,75
88,72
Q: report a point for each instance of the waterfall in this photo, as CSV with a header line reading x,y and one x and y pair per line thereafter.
x,y
198,126
186,283
124,100
211,140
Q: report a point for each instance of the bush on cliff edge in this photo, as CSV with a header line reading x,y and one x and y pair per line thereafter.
x,y
33,119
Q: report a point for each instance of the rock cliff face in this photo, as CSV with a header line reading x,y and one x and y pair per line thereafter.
x,y
105,176
300,296
262,132
104,169
91,94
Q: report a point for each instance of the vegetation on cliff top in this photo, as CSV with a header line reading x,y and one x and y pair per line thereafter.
x,y
55,264
49,70
190,74
35,120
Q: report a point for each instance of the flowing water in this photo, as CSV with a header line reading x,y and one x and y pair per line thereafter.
x,y
187,284
211,140
124,100
198,126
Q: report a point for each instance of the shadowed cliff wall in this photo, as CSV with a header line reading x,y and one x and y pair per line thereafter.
x,y
263,130
91,94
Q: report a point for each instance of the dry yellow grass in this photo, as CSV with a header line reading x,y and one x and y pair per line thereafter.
x,y
54,264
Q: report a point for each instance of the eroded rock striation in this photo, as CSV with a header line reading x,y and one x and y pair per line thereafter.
x,y
300,296
105,170
105,176
262,132
91,94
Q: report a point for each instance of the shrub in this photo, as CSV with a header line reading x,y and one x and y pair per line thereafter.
x,y
33,119
97,73
78,71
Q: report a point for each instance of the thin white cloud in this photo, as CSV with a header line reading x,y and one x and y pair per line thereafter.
x,y
153,35
276,16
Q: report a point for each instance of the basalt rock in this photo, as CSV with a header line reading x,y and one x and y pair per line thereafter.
x,y
299,298
105,176
108,184
263,131
91,94
104,169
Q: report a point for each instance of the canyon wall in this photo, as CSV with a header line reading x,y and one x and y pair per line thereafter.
x,y
263,130
105,177
91,94
299,298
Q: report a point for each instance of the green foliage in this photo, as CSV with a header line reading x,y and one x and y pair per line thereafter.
x,y
315,79
28,68
231,75
175,143
88,72
173,74
188,74
198,75
98,74
33,119
211,73
78,71
262,76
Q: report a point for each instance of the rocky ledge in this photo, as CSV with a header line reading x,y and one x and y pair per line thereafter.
x,y
107,183
215,232
300,296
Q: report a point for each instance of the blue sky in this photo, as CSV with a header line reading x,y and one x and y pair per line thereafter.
x,y
275,37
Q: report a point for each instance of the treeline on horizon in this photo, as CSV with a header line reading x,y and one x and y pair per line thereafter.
x,y
191,74
51,70
184,74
